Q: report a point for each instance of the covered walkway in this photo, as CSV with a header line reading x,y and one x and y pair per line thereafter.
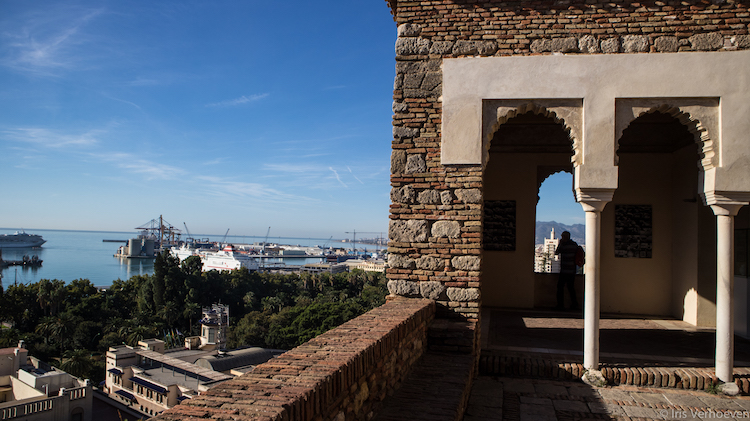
x,y
635,350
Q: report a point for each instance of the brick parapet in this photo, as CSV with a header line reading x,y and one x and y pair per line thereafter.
x,y
343,374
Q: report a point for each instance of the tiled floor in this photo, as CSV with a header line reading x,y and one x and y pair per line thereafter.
x,y
512,399
623,340
648,340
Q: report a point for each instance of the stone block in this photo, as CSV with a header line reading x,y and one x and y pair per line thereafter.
x,y
432,80
464,47
412,46
462,294
466,263
667,44
635,43
610,45
441,47
446,197
588,44
449,229
398,161
707,42
428,197
469,195
564,45
541,45
742,41
486,48
413,80
415,164
432,290
404,132
403,194
403,288
428,263
398,81
409,30
411,231
399,107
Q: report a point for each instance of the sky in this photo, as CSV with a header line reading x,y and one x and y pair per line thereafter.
x,y
238,115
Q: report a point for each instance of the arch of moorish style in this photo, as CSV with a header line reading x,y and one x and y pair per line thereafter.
x,y
596,98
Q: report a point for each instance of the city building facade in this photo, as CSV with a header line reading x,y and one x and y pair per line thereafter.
x,y
32,390
645,104
146,379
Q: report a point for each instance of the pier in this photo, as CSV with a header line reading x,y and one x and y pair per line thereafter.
x,y
26,261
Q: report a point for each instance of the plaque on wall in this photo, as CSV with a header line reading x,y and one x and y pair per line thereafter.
x,y
633,231
500,225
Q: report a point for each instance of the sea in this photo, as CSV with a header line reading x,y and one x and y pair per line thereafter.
x,y
69,255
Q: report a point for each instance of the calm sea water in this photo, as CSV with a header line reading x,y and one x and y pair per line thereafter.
x,y
70,255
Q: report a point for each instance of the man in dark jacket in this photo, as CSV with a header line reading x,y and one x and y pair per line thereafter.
x,y
567,250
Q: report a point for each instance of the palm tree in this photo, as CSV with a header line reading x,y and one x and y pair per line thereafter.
x,y
58,327
77,362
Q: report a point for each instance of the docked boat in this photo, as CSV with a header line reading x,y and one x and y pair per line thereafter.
x,y
20,240
227,259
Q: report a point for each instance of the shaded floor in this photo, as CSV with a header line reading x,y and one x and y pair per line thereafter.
x,y
642,339
523,399
624,341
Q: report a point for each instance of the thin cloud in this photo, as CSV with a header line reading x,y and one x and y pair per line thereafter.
x,y
219,186
215,161
355,177
337,177
45,42
244,99
52,139
149,169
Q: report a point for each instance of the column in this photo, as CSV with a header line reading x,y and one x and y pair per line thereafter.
x,y
725,213
593,202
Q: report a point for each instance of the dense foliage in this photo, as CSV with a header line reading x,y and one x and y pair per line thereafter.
x,y
73,324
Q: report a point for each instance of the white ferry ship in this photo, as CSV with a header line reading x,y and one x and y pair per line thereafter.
x,y
20,240
226,259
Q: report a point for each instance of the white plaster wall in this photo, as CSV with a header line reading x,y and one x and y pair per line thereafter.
x,y
639,285
599,80
508,278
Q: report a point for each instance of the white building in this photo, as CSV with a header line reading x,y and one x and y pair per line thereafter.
x,y
150,381
545,259
31,390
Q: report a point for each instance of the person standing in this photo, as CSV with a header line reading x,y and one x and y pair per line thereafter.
x,y
567,250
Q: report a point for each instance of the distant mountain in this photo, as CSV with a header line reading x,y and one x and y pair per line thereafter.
x,y
577,231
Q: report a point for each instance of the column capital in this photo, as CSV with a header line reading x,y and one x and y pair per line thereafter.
x,y
725,202
593,199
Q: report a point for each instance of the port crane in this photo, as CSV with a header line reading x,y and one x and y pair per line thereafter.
x,y
160,230
354,240
265,241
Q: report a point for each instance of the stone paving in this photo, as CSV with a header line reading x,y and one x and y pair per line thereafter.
x,y
526,399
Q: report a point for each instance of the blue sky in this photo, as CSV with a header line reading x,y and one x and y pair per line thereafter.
x,y
230,114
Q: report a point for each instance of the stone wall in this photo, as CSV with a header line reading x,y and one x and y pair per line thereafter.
x,y
435,229
343,374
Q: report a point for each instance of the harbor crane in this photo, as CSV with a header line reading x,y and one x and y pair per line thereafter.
x,y
265,241
354,240
166,232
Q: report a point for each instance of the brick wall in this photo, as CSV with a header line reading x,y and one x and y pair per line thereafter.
x,y
435,229
343,374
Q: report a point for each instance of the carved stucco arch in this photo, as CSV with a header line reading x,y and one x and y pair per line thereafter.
x,y
700,116
566,112
544,172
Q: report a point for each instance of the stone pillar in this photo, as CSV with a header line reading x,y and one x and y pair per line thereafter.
x,y
593,202
725,213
